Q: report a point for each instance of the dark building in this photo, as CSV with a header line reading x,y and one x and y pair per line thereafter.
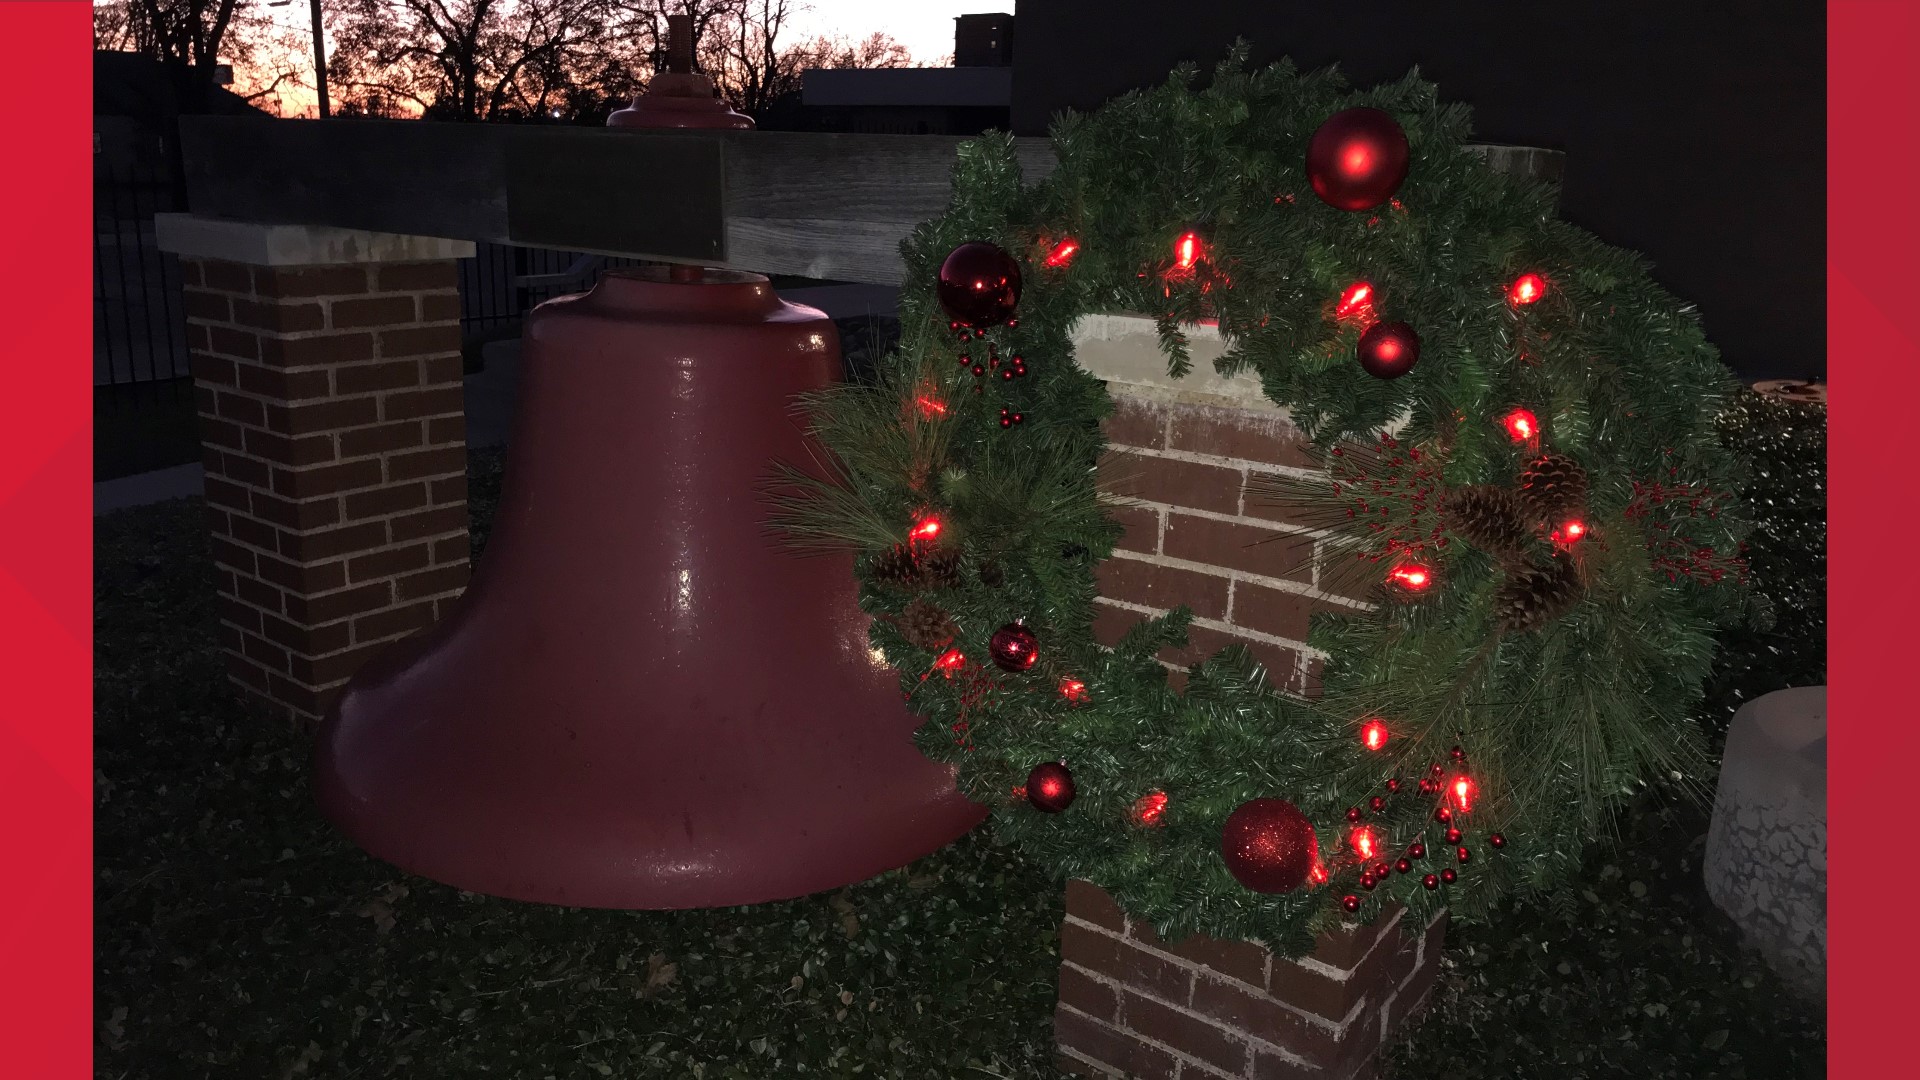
x,y
137,104
1694,133
973,96
983,40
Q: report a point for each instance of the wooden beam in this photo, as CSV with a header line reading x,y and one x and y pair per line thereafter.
x,y
818,205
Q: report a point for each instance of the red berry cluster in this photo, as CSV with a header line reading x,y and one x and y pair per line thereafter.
x,y
1667,509
1392,493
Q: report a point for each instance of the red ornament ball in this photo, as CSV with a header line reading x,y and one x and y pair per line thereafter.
x,y
1357,159
1463,854
1449,876
1376,803
1350,902
1353,813
1388,350
1496,840
979,284
1269,845
1050,787
1403,865
1430,881
1418,850
1454,836
1013,647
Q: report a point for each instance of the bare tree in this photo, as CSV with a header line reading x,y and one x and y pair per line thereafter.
x,y
472,59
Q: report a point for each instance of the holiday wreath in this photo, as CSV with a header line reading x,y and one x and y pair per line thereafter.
x,y
1519,432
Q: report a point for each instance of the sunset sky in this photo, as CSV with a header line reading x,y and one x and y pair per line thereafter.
x,y
925,27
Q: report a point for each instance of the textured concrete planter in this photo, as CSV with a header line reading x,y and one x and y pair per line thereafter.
x,y
1766,859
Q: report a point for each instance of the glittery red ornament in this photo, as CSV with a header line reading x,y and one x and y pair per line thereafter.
x,y
1388,350
1269,845
979,284
1013,647
1357,159
1050,787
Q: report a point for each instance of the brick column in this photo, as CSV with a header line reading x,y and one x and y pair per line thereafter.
x,y
1133,1005
1182,453
328,375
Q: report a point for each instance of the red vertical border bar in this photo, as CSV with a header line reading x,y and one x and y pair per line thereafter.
x,y
1873,188
46,553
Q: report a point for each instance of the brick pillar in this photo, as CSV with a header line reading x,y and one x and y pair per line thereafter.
x,y
1133,1005
1182,453
328,373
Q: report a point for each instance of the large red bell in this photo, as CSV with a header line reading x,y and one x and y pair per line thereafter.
x,y
642,700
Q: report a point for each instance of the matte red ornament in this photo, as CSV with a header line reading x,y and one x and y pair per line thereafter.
x,y
1357,159
1374,734
1269,845
1013,647
1388,350
1527,288
979,284
1050,787
579,728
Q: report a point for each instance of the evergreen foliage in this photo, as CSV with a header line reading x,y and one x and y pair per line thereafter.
x,y
1558,722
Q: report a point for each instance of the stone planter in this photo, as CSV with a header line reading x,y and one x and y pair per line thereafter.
x,y
1766,857
1133,1005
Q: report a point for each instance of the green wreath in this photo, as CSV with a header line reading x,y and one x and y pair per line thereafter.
x,y
1550,674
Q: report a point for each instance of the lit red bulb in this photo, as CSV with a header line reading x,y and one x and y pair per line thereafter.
x,y
1522,426
1364,842
1413,577
931,407
1356,300
950,660
1186,250
1569,532
1148,808
1317,875
1374,734
926,530
1464,790
1062,253
1073,689
1527,288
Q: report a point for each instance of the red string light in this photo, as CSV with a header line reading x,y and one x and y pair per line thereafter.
x,y
950,661
1148,808
1186,250
1413,577
1527,288
931,407
1364,842
1357,299
1062,253
1463,793
926,530
1373,734
1522,426
1073,689
1318,875
1569,532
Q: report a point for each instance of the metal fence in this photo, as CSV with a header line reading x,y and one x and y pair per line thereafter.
x,y
139,329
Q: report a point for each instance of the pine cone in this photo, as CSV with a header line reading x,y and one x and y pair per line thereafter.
x,y
926,626
991,575
1532,597
1490,518
1555,486
896,567
941,569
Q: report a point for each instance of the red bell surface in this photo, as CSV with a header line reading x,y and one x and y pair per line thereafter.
x,y
642,700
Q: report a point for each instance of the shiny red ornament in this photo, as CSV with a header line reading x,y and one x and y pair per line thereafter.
x,y
1526,289
1443,814
1269,845
1050,787
1013,647
1393,786
1403,865
1357,159
1449,876
1388,350
1457,753
979,284
1355,300
1374,735
1463,854
1496,840
1430,881
1367,880
1149,808
1350,902
1376,804
1522,426
1417,850
1353,813
1454,836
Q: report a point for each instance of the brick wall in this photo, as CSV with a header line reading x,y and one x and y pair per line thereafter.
x,y
335,449
1193,538
1133,1005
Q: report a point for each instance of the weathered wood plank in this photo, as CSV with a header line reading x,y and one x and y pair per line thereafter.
x,y
821,205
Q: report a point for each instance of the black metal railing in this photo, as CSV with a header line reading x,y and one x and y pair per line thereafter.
x,y
139,328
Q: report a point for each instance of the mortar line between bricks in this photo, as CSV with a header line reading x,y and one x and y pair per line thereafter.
x,y
1186,1060
1080,1056
1215,624
1337,1027
1288,528
1220,461
1298,588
